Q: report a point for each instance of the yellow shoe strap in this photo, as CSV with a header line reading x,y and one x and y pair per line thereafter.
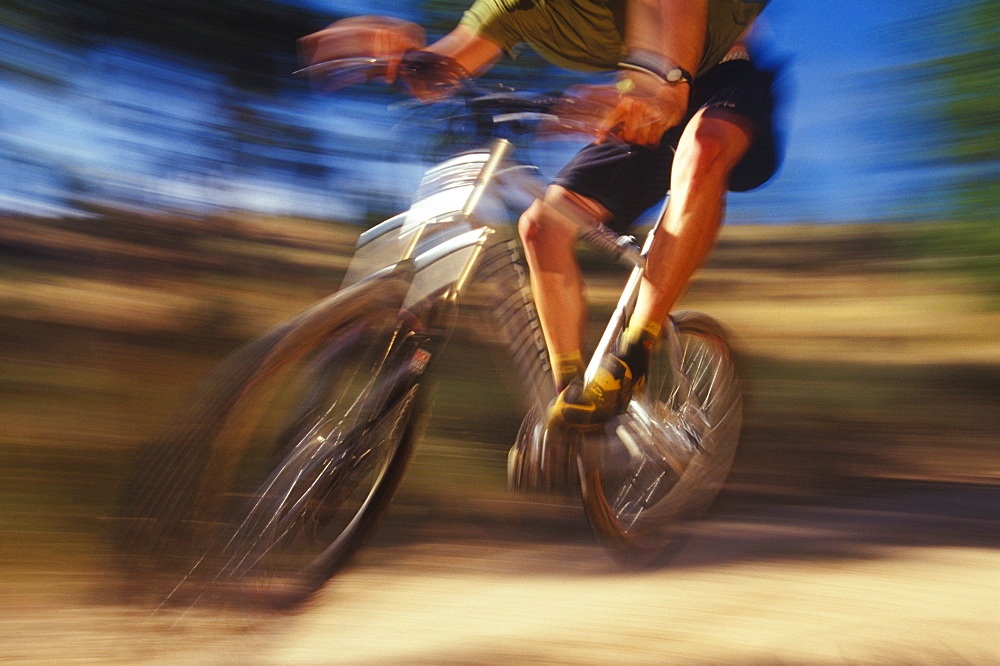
x,y
648,331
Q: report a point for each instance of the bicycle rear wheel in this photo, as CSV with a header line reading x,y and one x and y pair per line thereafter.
x,y
666,458
283,400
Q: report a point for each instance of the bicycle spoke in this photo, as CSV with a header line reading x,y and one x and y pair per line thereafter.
x,y
667,456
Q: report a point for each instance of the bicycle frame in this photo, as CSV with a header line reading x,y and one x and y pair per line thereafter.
x,y
442,237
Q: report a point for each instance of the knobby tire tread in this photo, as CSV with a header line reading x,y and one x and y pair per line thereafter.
x,y
157,522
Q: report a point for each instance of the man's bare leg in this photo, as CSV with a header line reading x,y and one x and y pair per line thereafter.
x,y
712,144
549,239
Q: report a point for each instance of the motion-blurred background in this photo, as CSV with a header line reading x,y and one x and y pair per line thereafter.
x,y
168,190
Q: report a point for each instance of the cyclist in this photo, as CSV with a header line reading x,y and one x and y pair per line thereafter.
x,y
693,116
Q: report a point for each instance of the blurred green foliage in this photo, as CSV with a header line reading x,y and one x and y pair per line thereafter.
x,y
970,105
957,92
951,94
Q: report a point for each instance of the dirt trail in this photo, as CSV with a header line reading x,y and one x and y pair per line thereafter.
x,y
908,575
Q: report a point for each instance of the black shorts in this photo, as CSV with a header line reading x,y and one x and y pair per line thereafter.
x,y
628,179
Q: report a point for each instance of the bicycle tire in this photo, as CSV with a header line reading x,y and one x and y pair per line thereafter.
x,y
177,506
665,459
513,317
341,471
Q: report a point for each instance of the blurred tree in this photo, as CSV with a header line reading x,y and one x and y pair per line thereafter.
x,y
234,56
956,98
961,96
186,96
252,44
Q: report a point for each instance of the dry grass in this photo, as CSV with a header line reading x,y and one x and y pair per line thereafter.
x,y
861,363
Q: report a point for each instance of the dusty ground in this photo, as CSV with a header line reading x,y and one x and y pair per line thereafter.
x,y
907,576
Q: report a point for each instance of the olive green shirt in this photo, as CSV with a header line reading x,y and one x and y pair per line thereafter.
x,y
589,35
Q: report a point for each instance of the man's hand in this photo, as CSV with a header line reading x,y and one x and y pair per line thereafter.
x,y
364,36
639,114
646,108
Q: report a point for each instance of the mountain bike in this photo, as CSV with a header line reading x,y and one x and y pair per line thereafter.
x,y
293,448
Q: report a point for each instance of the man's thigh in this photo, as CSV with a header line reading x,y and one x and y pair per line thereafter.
x,y
565,211
622,178
740,93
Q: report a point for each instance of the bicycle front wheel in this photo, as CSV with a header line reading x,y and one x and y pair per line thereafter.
x,y
289,454
666,458
346,443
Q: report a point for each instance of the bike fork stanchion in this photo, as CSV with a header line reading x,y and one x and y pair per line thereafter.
x,y
501,148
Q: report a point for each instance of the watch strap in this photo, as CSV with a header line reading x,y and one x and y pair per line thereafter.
x,y
640,61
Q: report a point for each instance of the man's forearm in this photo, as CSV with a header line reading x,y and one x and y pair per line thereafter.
x,y
472,51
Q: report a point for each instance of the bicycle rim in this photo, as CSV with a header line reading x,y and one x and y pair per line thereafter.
x,y
190,485
347,448
667,457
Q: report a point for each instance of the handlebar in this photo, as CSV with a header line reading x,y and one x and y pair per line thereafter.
x,y
433,78
426,75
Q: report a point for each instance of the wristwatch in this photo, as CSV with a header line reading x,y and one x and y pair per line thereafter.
x,y
678,75
640,61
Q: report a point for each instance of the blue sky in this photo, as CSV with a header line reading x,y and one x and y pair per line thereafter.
x,y
846,136
847,151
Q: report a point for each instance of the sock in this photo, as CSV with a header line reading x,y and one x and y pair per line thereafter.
x,y
637,345
568,367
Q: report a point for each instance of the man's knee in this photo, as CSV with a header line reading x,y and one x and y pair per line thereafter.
x,y
535,225
711,147
548,222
